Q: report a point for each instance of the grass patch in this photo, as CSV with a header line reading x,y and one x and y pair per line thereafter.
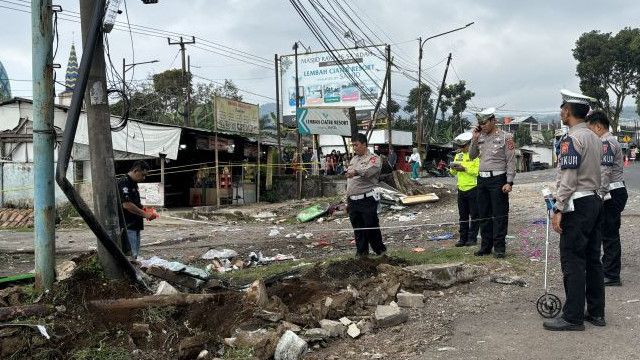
x,y
248,275
102,353
458,254
157,315
242,353
22,229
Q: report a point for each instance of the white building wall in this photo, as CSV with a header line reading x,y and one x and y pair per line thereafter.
x,y
542,154
17,185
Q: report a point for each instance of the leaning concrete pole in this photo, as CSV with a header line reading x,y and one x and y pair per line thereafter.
x,y
105,193
43,142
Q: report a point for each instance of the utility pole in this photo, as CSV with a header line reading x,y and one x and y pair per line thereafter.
x,y
421,43
278,122
187,105
389,117
299,159
435,110
43,142
182,43
105,194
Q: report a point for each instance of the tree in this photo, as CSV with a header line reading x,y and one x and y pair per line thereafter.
x,y
427,105
609,68
522,136
454,99
547,137
203,108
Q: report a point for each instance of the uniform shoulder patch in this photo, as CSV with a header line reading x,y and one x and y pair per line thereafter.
x,y
125,190
569,157
608,157
510,144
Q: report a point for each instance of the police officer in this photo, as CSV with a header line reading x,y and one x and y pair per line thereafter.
x,y
614,193
362,200
496,150
577,218
466,170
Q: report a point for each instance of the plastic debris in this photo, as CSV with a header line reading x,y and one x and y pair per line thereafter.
x,y
219,254
445,236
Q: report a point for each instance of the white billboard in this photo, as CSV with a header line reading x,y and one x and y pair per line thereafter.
x,y
324,82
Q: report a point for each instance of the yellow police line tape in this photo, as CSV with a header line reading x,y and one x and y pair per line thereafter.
x,y
277,227
222,166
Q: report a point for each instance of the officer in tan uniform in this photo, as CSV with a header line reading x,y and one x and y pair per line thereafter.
x,y
362,200
614,193
496,150
577,218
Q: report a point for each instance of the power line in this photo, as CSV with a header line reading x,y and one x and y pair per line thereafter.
x,y
239,89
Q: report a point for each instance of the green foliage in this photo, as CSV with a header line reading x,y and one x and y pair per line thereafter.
x,y
522,136
163,100
609,65
548,137
157,315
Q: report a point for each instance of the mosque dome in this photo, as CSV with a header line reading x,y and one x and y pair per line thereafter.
x,y
5,87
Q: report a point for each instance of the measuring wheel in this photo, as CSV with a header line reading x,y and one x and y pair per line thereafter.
x,y
548,306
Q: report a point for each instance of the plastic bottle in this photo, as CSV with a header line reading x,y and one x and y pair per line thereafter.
x,y
548,198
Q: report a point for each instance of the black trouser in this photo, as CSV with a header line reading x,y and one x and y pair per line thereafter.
x,y
493,209
611,211
580,259
363,213
468,208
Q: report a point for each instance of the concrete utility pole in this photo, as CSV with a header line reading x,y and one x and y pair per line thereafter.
x,y
43,142
435,110
389,116
182,43
421,43
299,159
105,194
278,118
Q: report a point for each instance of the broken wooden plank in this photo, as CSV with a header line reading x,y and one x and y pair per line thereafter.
x,y
154,301
419,199
12,312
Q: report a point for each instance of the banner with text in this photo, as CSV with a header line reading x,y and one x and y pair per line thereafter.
x,y
327,121
236,116
323,81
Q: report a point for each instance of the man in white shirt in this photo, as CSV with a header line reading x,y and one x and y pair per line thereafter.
x,y
416,164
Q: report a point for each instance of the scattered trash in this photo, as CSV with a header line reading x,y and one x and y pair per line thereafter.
x,y
409,217
397,207
539,222
312,212
175,266
274,232
220,254
264,215
446,348
445,236
633,301
418,250
41,329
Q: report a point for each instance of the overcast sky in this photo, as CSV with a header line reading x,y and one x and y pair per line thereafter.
x,y
517,55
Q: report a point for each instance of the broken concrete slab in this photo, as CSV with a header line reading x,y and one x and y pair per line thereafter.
x,y
508,280
263,342
257,293
353,331
442,275
290,347
219,254
316,334
365,326
387,315
410,300
335,328
164,288
345,321
65,269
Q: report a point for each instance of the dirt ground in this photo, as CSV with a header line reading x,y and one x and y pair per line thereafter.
x,y
477,320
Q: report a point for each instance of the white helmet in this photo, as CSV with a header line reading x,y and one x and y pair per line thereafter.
x,y
462,139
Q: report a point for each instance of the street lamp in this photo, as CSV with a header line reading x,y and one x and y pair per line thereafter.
x,y
126,67
420,47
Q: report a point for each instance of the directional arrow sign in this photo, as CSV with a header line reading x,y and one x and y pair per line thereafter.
x,y
326,120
